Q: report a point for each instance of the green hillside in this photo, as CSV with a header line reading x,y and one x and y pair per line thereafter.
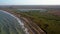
x,y
48,22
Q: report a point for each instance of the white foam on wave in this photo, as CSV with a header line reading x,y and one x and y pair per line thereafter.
x,y
21,23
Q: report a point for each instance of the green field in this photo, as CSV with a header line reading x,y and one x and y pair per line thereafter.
x,y
50,23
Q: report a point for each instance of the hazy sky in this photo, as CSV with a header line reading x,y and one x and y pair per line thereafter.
x,y
29,2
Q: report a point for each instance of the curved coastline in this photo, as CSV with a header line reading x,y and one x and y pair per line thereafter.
x,y
21,23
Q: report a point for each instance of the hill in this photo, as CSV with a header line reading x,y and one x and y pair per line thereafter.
x,y
50,23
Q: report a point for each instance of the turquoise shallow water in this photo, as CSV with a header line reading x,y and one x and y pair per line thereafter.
x,y
9,25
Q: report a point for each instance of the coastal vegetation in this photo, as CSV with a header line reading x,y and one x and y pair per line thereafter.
x,y
48,22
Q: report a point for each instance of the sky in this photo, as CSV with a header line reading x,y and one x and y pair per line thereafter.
x,y
29,2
